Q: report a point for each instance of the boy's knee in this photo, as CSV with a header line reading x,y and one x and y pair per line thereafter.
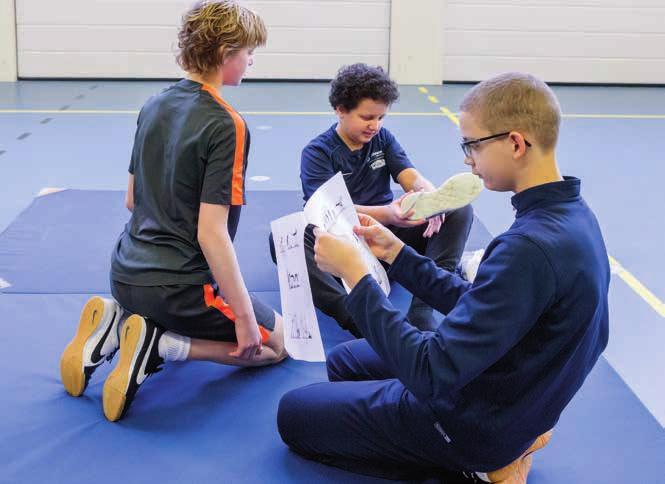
x,y
276,340
280,352
290,424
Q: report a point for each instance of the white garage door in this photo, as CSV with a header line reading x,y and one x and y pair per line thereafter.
x,y
308,39
603,41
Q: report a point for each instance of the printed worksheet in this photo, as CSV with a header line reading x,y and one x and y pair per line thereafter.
x,y
302,337
331,209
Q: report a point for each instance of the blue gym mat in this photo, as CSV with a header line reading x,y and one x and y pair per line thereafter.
x,y
62,242
201,422
206,423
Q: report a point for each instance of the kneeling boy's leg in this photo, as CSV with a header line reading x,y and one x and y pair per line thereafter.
x,y
221,340
199,324
220,351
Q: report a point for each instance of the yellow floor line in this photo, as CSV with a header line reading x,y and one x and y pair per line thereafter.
x,y
638,287
607,116
450,115
69,111
614,116
432,99
248,113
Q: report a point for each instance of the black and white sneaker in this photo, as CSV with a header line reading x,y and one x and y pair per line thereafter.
x,y
139,358
95,341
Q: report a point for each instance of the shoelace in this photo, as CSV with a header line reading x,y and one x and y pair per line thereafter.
x,y
110,356
155,368
472,477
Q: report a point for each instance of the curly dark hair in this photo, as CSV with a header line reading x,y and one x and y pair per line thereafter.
x,y
356,82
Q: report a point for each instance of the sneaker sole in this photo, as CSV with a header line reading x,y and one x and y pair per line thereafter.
x,y
71,362
518,471
456,192
117,383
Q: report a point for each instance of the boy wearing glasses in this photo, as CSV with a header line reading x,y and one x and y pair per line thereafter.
x,y
478,395
368,155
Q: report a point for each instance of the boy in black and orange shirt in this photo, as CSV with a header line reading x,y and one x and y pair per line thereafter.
x,y
176,256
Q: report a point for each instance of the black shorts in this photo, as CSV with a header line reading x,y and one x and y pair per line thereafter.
x,y
188,310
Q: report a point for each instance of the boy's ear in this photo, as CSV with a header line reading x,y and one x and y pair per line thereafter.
x,y
518,142
221,54
341,110
224,53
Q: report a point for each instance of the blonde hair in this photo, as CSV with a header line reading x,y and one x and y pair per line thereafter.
x,y
210,25
516,101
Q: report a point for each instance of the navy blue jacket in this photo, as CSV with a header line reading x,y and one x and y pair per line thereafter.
x,y
517,344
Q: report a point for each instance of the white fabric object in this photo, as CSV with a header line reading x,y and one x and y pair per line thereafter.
x,y
174,347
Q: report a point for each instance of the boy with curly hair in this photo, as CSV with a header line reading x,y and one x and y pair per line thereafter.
x,y
368,155
175,257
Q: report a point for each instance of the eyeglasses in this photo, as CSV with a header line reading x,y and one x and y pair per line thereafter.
x,y
467,145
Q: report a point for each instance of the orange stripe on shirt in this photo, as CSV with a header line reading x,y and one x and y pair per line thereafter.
x,y
215,301
238,159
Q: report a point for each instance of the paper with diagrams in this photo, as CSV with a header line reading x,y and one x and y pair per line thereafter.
x,y
302,337
332,209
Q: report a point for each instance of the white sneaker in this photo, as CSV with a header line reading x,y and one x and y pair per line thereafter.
x,y
139,358
470,262
456,192
95,341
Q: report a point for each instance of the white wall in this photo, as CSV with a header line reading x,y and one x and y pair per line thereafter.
x,y
615,41
606,41
308,39
7,41
416,41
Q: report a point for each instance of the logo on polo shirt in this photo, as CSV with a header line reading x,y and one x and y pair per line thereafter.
x,y
377,160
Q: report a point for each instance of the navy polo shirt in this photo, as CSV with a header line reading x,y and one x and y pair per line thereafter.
x,y
366,171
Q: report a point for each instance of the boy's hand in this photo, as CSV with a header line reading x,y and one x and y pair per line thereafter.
x,y
384,244
249,339
394,215
339,257
434,225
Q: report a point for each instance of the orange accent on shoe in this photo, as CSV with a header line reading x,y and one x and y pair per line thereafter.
x,y
517,471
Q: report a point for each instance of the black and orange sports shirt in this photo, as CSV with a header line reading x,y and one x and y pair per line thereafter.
x,y
190,147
